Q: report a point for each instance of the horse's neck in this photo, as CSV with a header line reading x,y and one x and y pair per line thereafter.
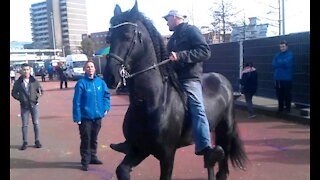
x,y
147,87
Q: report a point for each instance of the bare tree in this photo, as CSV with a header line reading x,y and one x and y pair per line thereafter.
x,y
223,14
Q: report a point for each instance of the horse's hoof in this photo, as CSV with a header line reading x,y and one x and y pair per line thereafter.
x,y
212,156
221,176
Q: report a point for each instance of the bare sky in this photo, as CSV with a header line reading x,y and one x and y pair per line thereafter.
x,y
297,13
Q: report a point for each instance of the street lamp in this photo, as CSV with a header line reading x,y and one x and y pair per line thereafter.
x,y
283,32
63,51
53,36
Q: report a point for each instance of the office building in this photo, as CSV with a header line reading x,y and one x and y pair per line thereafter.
x,y
59,24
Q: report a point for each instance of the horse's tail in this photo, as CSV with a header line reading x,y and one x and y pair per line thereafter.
x,y
238,155
227,136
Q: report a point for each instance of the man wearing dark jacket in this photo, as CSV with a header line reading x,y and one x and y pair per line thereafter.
x,y
27,90
61,70
188,49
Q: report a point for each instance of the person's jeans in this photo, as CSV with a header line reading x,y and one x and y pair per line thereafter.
x,y
89,131
248,97
65,83
200,124
25,122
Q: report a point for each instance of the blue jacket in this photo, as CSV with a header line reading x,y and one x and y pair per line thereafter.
x,y
282,64
91,99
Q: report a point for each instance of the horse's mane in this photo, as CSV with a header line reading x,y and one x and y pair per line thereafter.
x,y
159,47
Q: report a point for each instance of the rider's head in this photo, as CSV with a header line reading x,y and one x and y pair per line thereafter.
x,y
174,18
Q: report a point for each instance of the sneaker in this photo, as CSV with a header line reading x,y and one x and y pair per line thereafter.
x,y
96,161
37,144
252,116
84,167
24,146
212,156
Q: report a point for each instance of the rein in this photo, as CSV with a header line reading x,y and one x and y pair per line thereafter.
x,y
126,75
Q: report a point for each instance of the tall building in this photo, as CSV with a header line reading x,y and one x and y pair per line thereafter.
x,y
40,25
59,24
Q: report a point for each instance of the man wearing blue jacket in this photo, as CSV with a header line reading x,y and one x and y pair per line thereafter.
x,y
282,64
91,102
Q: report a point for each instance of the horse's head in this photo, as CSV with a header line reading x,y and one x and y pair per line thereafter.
x,y
134,44
126,43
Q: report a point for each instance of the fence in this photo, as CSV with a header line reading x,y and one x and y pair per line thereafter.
x,y
228,58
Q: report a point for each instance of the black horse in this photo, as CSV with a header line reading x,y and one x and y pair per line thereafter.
x,y
156,122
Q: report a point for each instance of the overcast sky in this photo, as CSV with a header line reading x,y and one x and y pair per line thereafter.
x,y
297,13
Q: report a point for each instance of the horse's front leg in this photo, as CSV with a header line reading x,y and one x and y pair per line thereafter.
x,y
130,160
166,164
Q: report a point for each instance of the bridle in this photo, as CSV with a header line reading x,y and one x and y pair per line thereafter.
x,y
124,69
133,41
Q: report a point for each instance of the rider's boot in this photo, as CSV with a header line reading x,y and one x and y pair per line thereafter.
x,y
120,147
213,155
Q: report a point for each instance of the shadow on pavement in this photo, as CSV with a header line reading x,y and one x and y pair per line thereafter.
x,y
189,179
29,164
58,89
281,150
286,126
15,146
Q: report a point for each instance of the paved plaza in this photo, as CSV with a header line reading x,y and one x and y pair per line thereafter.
x,y
277,149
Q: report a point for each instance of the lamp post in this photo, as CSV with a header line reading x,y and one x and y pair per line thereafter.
x,y
53,36
94,55
63,51
283,32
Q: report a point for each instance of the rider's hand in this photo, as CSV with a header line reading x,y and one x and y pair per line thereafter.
x,y
173,56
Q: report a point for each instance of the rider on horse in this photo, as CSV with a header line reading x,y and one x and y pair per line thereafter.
x,y
188,50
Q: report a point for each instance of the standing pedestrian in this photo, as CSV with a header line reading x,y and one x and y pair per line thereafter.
x,y
249,82
50,72
12,75
282,64
27,90
61,70
91,102
43,74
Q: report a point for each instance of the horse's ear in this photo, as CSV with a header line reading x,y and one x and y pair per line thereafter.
x,y
135,7
117,10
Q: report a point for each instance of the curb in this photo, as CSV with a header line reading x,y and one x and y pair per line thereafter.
x,y
305,120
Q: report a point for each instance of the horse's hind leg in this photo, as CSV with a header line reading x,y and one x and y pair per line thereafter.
x,y
129,161
223,139
166,164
